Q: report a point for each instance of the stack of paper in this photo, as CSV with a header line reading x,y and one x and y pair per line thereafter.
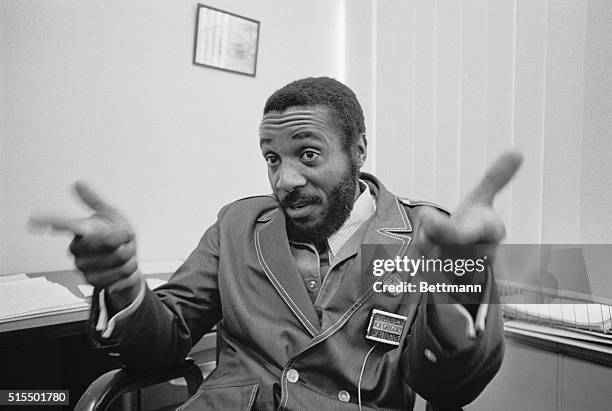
x,y
23,297
559,334
591,316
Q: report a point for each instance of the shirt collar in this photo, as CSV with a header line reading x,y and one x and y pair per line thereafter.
x,y
363,208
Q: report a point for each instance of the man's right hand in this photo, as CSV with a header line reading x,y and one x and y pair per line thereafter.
x,y
104,246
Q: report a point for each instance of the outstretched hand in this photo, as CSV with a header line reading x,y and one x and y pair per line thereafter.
x,y
104,245
474,221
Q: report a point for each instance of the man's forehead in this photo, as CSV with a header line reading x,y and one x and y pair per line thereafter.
x,y
297,116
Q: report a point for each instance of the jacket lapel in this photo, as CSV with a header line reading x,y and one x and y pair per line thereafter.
x,y
277,262
388,235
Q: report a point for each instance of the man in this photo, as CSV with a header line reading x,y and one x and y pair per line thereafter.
x,y
286,278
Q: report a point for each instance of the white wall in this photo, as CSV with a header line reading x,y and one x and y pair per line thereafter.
x,y
106,92
596,153
360,64
459,81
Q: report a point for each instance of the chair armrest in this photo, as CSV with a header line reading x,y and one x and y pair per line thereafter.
x,y
110,386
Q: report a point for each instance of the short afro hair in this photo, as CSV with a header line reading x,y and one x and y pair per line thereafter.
x,y
338,98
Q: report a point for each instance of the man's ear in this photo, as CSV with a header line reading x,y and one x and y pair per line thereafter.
x,y
361,150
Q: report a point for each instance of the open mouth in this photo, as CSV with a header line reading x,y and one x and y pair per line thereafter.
x,y
300,210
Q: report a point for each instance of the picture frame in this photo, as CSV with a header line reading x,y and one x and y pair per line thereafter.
x,y
225,41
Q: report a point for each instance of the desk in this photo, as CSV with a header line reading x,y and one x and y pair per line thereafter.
x,y
53,352
51,326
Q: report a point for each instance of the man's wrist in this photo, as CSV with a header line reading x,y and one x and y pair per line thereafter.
x,y
122,293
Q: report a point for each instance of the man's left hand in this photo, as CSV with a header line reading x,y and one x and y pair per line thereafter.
x,y
475,221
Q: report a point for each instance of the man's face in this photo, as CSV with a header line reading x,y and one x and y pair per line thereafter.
x,y
310,173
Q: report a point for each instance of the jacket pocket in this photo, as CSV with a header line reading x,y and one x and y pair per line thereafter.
x,y
237,396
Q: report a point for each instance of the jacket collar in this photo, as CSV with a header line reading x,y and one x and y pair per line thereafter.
x,y
391,224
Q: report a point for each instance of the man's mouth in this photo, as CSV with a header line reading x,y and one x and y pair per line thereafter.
x,y
300,206
300,210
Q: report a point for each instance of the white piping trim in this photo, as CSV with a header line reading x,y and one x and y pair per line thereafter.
x,y
278,286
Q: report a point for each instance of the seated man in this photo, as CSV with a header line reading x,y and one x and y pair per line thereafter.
x,y
285,277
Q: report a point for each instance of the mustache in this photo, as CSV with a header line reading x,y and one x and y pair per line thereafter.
x,y
297,198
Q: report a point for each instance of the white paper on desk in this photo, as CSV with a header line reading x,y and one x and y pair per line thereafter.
x,y
35,296
13,277
580,315
597,338
86,289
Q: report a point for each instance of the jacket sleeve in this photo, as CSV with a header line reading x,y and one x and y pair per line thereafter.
x,y
171,319
441,360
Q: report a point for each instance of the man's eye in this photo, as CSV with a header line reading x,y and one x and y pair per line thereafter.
x,y
309,155
271,160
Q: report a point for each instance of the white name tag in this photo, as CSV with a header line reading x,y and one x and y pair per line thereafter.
x,y
386,327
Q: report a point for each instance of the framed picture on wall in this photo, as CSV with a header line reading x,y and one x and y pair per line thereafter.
x,y
225,41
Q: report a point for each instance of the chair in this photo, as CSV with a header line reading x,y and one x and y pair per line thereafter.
x,y
110,386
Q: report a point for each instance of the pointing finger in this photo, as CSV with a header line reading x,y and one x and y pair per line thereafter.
x,y
92,199
77,226
496,177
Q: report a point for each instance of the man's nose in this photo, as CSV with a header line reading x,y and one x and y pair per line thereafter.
x,y
289,178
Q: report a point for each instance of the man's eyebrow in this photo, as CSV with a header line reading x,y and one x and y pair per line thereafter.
x,y
297,136
305,134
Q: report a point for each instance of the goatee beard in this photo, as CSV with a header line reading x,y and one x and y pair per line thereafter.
x,y
339,207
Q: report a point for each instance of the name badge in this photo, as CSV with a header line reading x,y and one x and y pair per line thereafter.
x,y
386,327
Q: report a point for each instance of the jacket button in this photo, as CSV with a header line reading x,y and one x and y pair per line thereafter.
x,y
395,280
292,375
312,284
344,396
430,356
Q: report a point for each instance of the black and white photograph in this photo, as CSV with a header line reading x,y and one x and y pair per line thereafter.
x,y
306,205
